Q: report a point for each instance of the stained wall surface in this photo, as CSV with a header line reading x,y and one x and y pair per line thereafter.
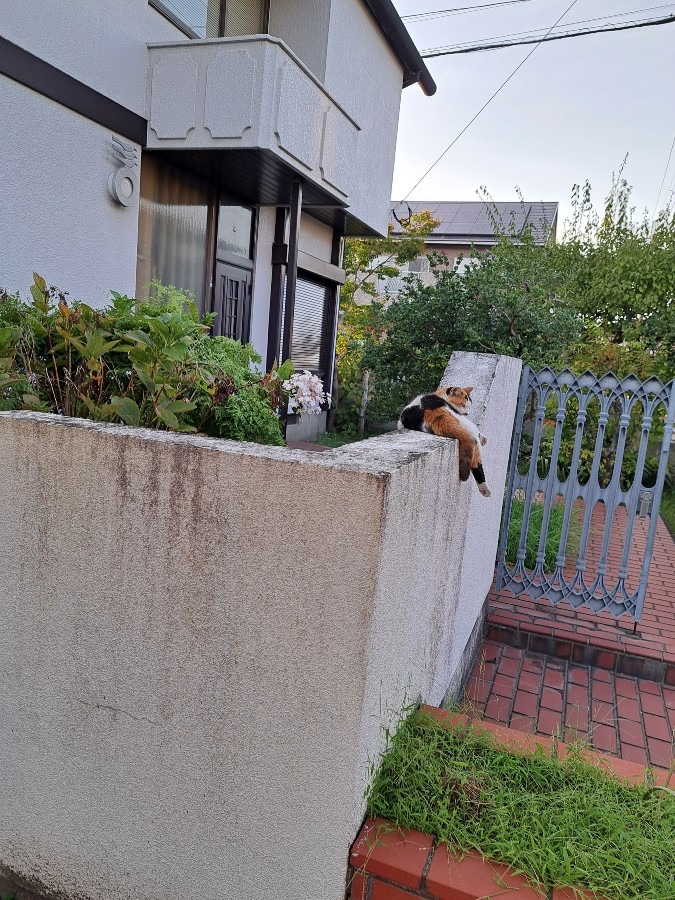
x,y
202,640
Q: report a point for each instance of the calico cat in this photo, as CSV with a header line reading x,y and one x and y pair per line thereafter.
x,y
444,413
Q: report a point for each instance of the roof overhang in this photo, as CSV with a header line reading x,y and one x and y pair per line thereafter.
x,y
257,177
391,26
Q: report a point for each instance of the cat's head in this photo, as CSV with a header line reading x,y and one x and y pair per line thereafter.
x,y
458,397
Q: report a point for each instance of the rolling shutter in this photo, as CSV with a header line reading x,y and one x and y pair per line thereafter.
x,y
312,325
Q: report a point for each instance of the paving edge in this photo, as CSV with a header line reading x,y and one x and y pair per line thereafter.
x,y
583,652
390,863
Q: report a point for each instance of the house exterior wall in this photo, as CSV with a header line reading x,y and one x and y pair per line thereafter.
x,y
56,216
304,27
315,238
189,703
102,45
262,279
364,75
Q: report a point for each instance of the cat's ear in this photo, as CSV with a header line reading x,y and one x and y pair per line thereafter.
x,y
467,390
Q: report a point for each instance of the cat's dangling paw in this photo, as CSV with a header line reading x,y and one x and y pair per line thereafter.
x,y
482,439
484,489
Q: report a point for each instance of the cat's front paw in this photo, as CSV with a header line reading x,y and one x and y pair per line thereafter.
x,y
482,439
485,490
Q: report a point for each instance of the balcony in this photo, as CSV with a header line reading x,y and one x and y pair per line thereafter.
x,y
246,113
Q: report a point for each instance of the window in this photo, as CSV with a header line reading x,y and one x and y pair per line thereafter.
x,y
235,230
216,18
421,264
311,344
174,243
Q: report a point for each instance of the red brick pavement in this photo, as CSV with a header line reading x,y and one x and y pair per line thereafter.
x,y
628,717
644,650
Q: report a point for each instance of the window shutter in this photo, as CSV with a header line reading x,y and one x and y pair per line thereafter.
x,y
244,17
311,325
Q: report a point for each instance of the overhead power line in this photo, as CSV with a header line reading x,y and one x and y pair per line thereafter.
x,y
487,103
605,29
663,181
458,10
539,32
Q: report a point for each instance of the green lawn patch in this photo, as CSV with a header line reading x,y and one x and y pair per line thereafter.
x,y
565,824
667,510
553,533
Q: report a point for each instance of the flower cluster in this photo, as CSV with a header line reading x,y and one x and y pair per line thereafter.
x,y
305,393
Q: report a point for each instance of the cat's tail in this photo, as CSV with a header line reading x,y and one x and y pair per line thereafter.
x,y
465,460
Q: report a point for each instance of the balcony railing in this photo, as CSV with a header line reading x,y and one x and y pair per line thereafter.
x,y
249,93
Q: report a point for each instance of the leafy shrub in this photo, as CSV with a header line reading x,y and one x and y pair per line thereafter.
x,y
145,363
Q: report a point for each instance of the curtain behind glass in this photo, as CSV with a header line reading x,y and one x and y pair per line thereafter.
x,y
173,232
201,16
245,17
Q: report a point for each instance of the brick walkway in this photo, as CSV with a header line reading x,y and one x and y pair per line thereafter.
x,y
554,670
646,650
632,718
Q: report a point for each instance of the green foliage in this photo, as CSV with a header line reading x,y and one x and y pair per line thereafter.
x,y
145,363
245,417
506,301
553,533
562,823
365,260
601,300
622,274
667,511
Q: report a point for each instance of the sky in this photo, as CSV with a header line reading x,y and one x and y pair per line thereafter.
x,y
570,114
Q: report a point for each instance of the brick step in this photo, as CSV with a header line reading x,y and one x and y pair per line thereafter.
x,y
543,634
391,863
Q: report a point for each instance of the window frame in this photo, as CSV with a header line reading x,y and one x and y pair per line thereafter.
x,y
175,19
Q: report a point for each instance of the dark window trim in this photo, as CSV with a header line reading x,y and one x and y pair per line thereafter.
x,y
173,18
320,267
189,32
43,78
231,259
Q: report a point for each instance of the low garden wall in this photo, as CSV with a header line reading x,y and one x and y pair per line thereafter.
x,y
202,641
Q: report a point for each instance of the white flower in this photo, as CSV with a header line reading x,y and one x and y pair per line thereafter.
x,y
305,393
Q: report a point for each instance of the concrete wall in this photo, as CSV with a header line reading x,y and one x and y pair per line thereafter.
x,y
201,640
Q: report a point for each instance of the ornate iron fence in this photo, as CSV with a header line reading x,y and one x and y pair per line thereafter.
x,y
587,477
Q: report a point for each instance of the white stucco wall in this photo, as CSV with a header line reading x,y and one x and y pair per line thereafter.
x,y
304,27
201,641
56,216
101,44
315,238
364,75
262,279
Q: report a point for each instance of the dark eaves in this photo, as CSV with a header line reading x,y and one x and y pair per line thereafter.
x,y
391,26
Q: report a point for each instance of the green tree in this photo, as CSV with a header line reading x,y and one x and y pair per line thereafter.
x,y
366,260
510,300
622,281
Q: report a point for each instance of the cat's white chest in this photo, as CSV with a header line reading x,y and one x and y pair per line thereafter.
x,y
470,427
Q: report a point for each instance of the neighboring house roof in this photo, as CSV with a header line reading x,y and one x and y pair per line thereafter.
x,y
473,222
402,44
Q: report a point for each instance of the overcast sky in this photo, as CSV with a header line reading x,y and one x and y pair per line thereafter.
x,y
571,113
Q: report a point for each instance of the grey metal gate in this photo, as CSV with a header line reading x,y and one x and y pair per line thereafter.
x,y
585,485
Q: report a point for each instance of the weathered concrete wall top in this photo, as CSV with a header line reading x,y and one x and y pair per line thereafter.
x,y
200,641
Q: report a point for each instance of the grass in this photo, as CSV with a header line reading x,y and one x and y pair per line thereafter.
x,y
340,438
534,530
667,510
565,824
